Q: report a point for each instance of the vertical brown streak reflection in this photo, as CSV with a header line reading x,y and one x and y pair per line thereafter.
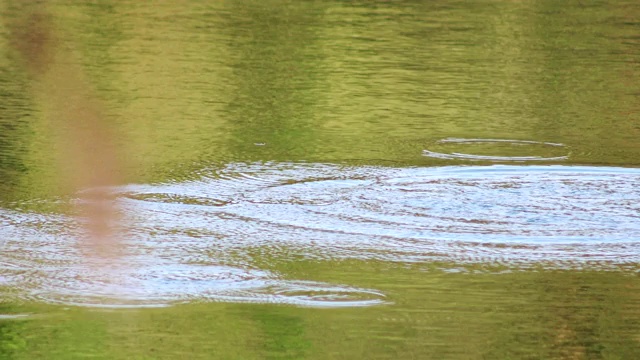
x,y
87,145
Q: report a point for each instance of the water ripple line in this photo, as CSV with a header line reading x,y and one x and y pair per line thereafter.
x,y
197,240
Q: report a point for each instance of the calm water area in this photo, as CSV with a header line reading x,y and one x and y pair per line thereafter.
x,y
320,179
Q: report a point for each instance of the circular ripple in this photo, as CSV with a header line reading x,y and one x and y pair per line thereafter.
x,y
499,150
512,214
199,240
43,259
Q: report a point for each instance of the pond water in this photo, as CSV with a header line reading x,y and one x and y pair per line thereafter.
x,y
320,180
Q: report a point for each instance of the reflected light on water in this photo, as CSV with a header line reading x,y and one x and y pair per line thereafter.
x,y
547,150
203,239
87,153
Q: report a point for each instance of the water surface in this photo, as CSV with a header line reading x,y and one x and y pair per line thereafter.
x,y
323,180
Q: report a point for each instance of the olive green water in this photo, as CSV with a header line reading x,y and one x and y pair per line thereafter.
x,y
313,180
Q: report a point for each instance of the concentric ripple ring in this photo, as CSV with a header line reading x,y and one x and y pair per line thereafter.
x,y
494,158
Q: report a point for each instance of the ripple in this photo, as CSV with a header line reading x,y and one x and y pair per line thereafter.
x,y
200,240
13,316
493,146
166,284
567,215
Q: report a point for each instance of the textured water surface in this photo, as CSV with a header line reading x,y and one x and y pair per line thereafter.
x,y
198,240
504,150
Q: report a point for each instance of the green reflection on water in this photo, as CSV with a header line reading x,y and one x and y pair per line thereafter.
x,y
436,314
196,85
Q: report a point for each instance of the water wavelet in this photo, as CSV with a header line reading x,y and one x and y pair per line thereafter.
x,y
43,261
202,240
564,216
496,150
13,316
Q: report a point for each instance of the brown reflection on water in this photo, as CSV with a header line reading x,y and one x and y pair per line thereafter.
x,y
85,143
